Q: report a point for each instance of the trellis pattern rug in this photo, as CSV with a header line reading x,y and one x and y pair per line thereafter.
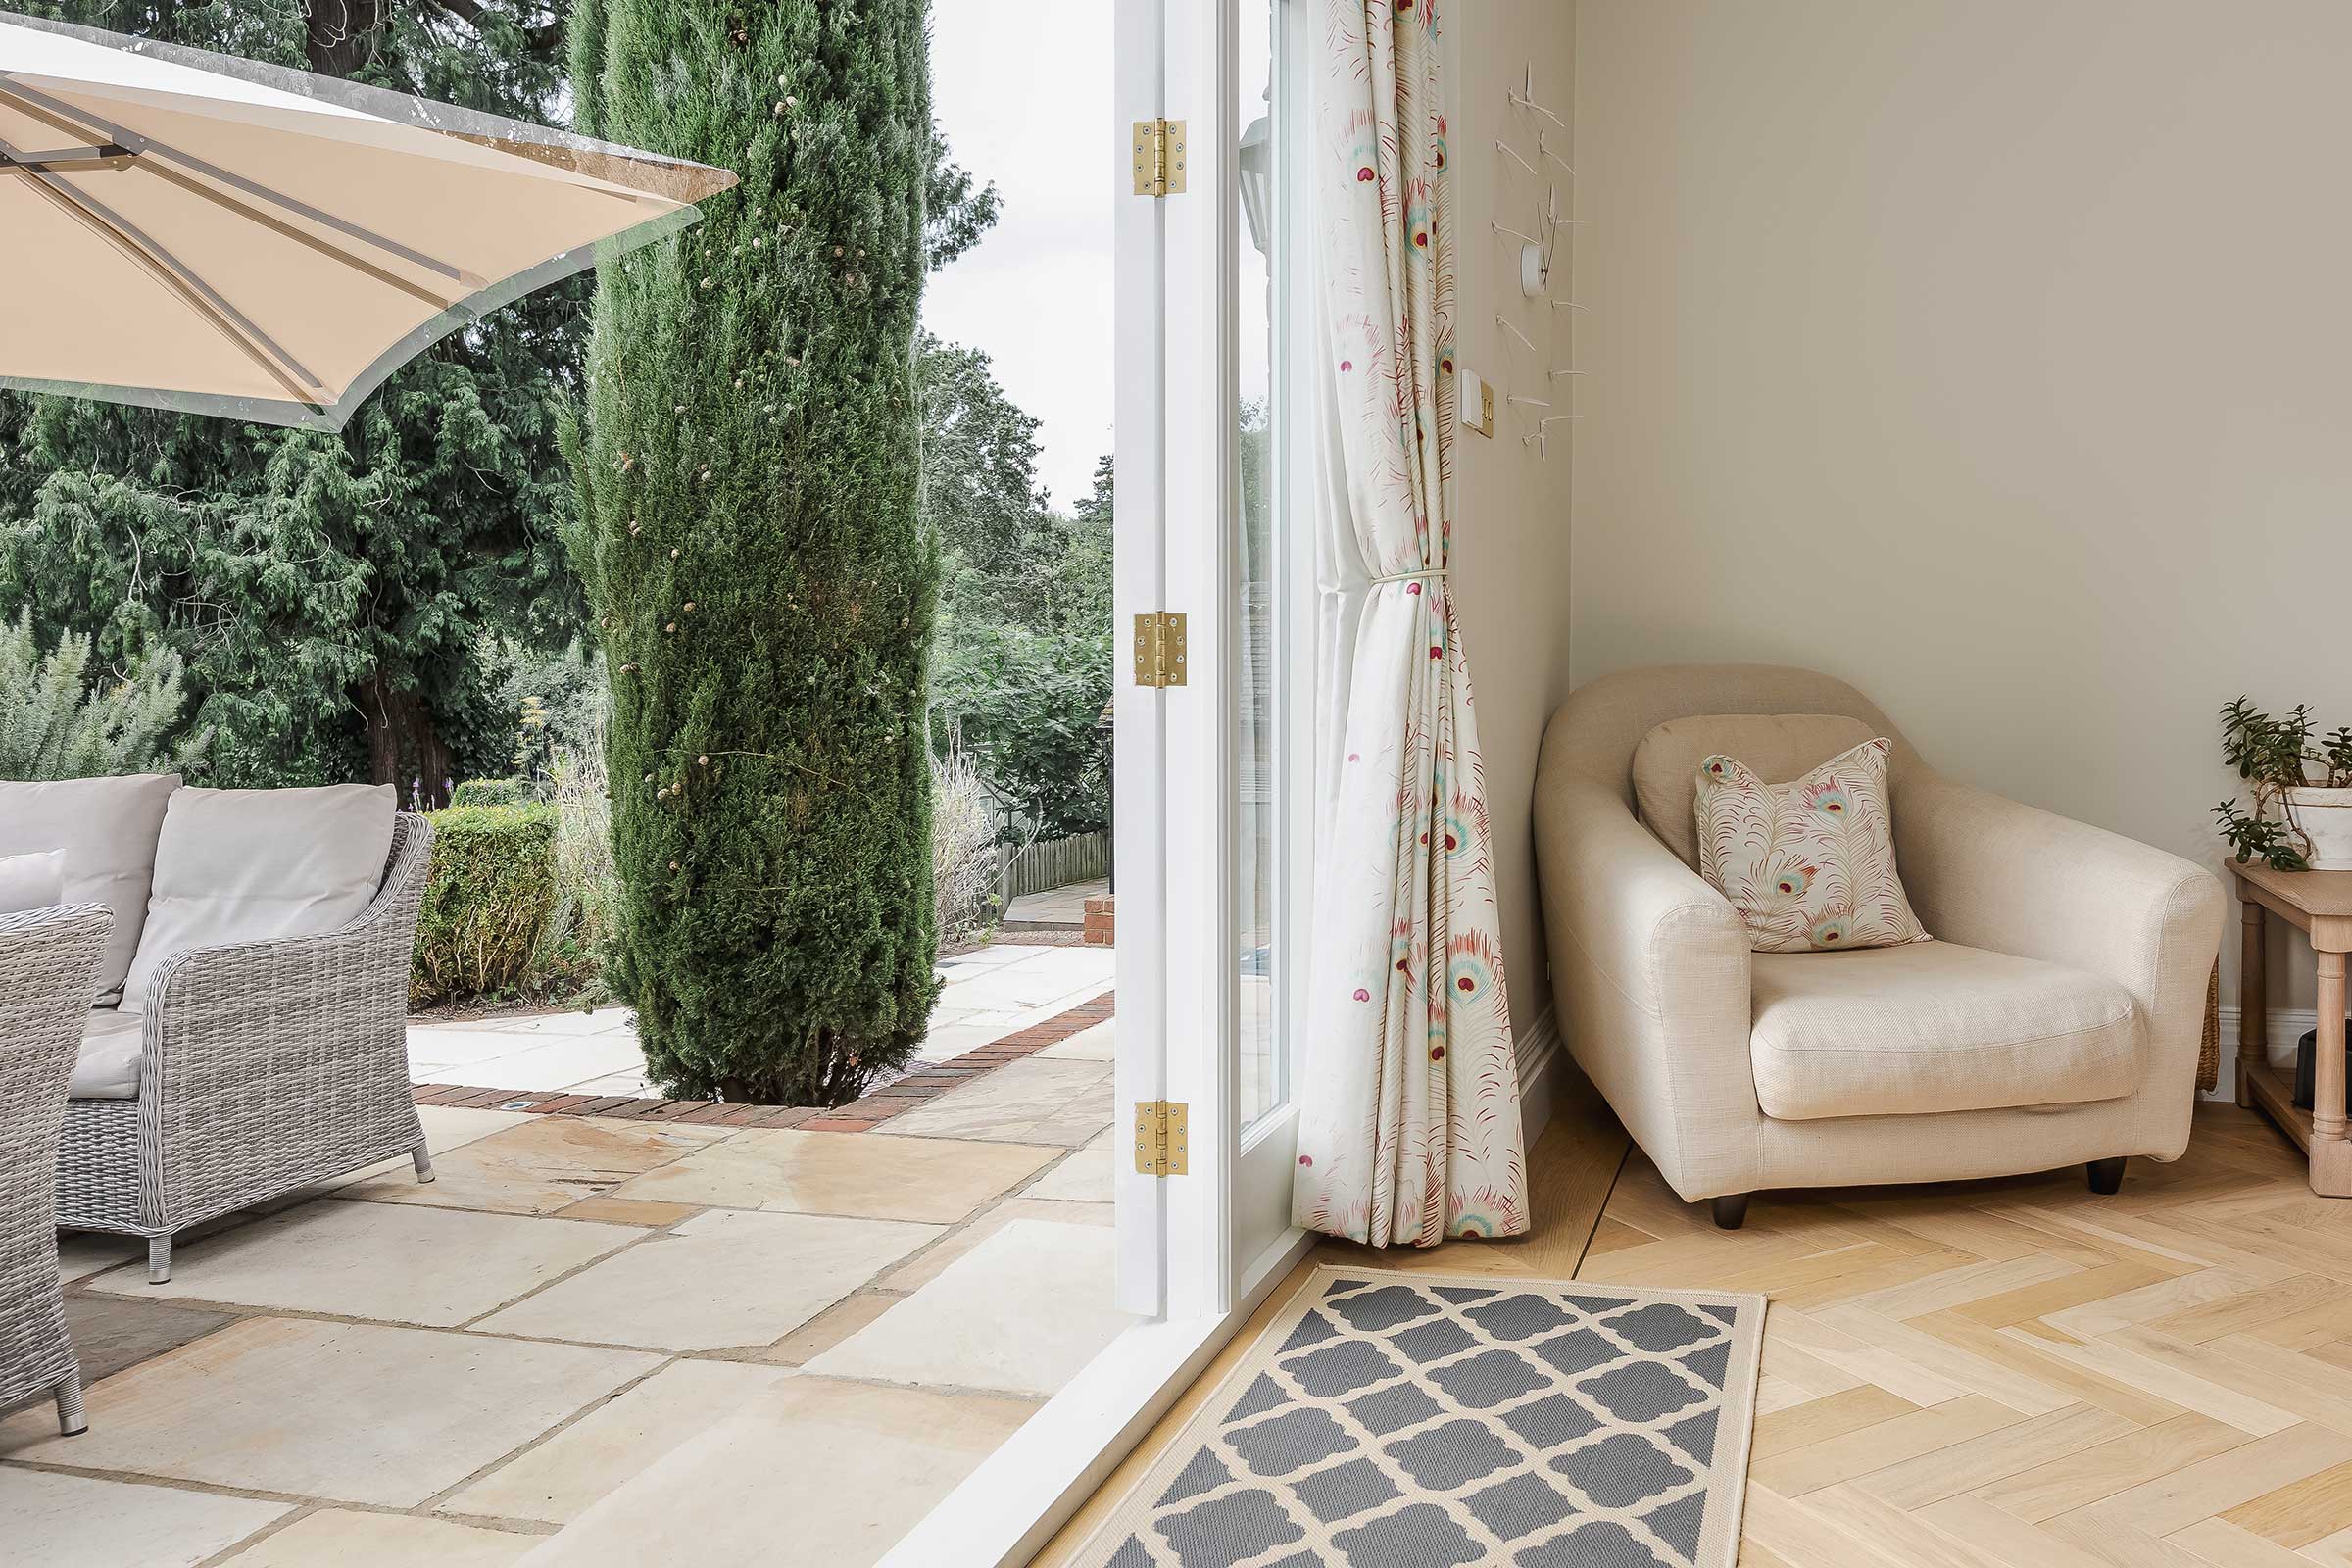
x,y
1405,1420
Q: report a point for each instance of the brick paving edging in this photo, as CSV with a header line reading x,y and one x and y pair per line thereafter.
x,y
863,1115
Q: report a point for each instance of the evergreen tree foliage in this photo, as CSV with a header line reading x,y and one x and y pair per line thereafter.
x,y
330,595
56,722
1023,660
750,541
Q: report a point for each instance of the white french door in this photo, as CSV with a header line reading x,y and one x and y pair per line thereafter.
x,y
1214,774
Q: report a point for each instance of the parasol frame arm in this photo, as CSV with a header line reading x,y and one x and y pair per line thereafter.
x,y
155,156
192,291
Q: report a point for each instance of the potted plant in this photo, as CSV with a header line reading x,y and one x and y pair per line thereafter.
x,y
2302,817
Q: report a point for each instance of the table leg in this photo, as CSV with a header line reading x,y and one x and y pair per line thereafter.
x,y
2330,1154
2253,1027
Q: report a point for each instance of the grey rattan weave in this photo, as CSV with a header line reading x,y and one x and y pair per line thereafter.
x,y
268,1065
48,968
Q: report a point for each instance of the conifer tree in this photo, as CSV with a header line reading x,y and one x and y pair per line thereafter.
x,y
749,538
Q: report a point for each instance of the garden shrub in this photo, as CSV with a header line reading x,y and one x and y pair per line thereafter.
x,y
488,898
749,461
493,792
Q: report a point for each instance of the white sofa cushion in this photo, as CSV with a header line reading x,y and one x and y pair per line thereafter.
x,y
1776,747
107,829
108,1066
32,881
1934,1026
252,865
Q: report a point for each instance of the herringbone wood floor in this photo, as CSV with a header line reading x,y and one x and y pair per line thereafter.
x,y
2007,1374
2014,1373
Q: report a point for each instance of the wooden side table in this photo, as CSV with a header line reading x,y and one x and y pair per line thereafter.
x,y
2319,904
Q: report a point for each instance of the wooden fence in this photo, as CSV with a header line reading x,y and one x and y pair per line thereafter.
x,y
1051,863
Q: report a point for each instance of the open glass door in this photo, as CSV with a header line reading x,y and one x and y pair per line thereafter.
x,y
1215,742
1215,773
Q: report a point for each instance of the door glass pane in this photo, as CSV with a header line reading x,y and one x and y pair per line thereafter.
x,y
1260,882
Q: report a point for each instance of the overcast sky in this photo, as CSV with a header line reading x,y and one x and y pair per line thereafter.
x,y
1025,100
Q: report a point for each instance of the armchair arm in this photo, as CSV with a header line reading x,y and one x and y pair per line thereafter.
x,y
1990,873
1651,968
285,1056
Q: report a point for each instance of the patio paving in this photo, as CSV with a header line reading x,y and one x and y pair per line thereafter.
x,y
588,1329
984,996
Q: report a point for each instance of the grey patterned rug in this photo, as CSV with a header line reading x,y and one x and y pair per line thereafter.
x,y
1403,1420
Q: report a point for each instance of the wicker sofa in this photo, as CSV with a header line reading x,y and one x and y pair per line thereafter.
x,y
256,1049
48,958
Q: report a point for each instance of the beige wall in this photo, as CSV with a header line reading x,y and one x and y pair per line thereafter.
x,y
1995,355
1510,560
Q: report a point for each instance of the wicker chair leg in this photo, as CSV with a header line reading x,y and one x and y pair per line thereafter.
x,y
69,1418
159,1260
425,1163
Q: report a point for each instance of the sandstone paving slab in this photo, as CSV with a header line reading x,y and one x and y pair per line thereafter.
x,y
865,1175
87,1522
725,1279
921,1269
1025,1102
1019,1313
348,1538
1096,1041
814,1474
544,1165
348,1412
1085,1177
437,1267
114,1332
564,1477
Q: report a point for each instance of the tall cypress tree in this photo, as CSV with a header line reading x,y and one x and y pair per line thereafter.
x,y
751,542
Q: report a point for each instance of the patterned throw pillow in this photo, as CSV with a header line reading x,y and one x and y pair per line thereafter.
x,y
1809,865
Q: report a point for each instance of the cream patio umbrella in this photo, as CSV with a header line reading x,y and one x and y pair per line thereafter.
x,y
191,231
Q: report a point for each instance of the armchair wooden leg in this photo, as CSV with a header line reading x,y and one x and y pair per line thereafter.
x,y
159,1260
1730,1211
2106,1176
71,1421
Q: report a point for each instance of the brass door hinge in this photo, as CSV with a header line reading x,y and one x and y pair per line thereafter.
x,y
1161,1138
1160,158
1159,649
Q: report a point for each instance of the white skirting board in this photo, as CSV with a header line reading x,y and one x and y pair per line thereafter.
x,y
2282,1026
1541,1053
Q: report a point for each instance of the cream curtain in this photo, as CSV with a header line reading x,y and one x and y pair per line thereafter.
x,y
1408,1084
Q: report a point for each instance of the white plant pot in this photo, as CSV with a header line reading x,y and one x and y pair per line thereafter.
x,y
2326,818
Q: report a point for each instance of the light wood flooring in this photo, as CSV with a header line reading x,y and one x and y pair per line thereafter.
x,y
2005,1374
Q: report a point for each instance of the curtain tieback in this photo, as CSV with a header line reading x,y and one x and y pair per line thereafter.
x,y
1433,574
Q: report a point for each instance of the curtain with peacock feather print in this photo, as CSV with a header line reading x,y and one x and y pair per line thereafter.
x,y
1408,1083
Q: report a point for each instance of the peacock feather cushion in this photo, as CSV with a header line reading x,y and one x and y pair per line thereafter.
x,y
1808,864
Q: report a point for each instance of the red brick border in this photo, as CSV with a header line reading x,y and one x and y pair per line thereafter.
x,y
863,1116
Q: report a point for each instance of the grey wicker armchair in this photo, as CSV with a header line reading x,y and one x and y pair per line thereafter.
x,y
48,966
267,1066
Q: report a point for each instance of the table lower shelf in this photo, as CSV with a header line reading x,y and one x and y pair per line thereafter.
x,y
2330,1160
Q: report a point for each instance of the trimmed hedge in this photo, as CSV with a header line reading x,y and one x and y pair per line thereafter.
x,y
493,792
488,898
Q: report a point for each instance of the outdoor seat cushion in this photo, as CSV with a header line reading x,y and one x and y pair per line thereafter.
x,y
32,881
1933,1026
107,829
1778,748
108,1066
253,865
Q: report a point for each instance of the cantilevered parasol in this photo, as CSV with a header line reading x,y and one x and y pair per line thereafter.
x,y
192,231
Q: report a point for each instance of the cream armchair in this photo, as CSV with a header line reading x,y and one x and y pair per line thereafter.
x,y
2055,1019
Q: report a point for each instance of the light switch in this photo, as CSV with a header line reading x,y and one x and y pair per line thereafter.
x,y
1478,404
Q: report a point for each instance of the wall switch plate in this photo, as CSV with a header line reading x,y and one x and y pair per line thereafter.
x,y
1478,404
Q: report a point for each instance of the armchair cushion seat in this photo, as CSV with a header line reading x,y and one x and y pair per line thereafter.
x,y
107,1065
1934,1026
